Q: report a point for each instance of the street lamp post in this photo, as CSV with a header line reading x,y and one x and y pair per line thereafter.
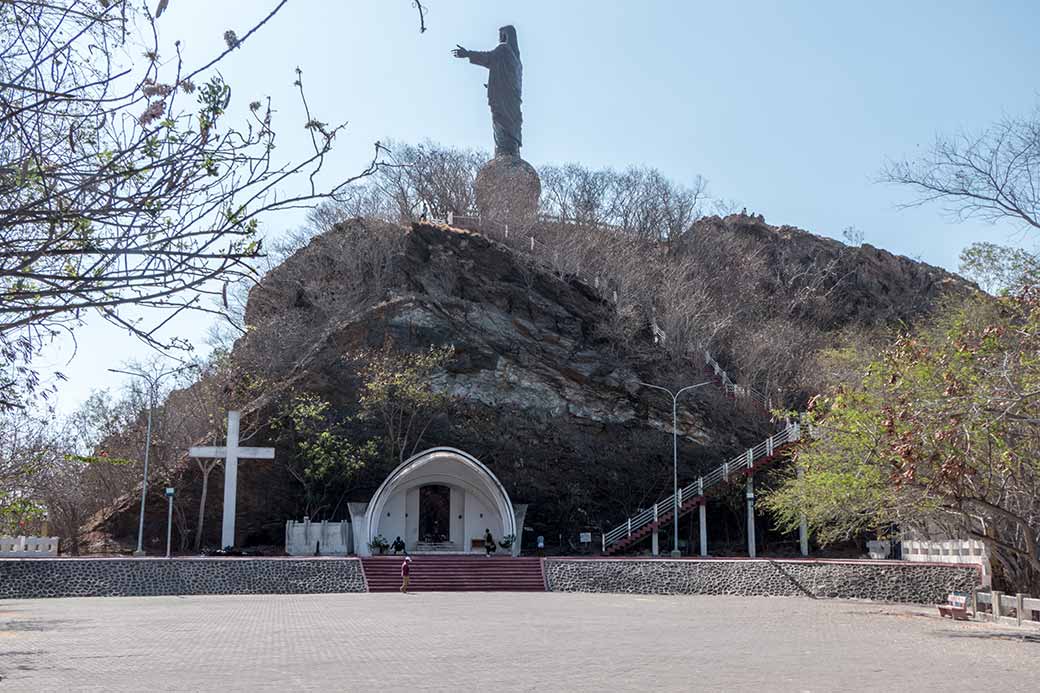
x,y
675,458
169,518
153,385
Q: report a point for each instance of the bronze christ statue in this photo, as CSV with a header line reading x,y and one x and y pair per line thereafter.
x,y
505,78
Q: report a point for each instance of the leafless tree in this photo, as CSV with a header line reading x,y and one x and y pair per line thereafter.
x,y
122,183
990,175
639,201
425,179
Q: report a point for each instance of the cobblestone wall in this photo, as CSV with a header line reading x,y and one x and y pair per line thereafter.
x,y
881,581
125,577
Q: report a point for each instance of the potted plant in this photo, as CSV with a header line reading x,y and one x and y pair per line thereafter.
x,y
378,543
506,542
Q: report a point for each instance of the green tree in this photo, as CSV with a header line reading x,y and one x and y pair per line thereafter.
x,y
318,454
941,435
1000,269
398,391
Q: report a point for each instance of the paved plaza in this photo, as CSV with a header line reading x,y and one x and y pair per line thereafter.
x,y
501,642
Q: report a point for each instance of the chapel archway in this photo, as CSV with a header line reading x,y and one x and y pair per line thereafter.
x,y
433,487
435,514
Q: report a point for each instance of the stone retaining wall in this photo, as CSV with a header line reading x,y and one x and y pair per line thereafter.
x,y
886,581
135,577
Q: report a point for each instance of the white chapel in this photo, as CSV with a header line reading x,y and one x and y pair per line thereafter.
x,y
441,500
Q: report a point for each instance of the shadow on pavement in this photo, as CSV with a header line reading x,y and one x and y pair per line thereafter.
x,y
1013,636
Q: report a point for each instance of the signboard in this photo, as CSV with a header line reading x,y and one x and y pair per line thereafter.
x,y
585,537
169,492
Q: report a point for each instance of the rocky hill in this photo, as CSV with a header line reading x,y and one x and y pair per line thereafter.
x,y
543,391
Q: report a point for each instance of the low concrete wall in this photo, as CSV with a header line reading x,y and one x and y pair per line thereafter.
x,y
28,547
330,538
134,577
886,581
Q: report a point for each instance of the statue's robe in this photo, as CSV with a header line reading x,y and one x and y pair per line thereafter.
x,y
505,80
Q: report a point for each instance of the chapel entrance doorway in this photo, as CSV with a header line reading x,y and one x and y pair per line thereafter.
x,y
434,514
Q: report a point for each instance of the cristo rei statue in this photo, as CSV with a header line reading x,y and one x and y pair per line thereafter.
x,y
507,186
505,82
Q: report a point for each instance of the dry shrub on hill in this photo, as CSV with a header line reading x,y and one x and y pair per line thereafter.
x,y
762,299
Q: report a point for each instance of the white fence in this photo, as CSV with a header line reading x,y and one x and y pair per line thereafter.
x,y
28,547
969,551
318,538
1017,609
734,390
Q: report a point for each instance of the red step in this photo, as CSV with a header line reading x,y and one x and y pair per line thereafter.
x,y
455,574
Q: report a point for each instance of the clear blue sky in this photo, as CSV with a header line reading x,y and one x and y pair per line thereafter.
x,y
786,108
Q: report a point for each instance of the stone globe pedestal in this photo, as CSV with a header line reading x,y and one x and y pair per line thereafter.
x,y
507,189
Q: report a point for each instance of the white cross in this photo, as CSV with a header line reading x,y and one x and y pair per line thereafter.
x,y
231,454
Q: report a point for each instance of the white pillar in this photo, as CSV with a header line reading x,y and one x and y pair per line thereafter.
x,y
169,521
803,528
227,532
703,513
704,528
654,540
751,515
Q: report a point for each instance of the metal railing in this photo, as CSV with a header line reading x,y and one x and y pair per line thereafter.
x,y
719,475
733,389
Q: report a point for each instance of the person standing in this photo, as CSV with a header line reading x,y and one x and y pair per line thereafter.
x,y
489,543
405,570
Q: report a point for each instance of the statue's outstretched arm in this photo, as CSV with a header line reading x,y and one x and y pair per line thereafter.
x,y
480,57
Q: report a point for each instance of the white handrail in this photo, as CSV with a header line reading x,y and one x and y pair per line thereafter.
x,y
747,459
733,389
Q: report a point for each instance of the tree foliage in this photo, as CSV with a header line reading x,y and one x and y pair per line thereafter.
x,y
318,453
941,436
397,390
1000,269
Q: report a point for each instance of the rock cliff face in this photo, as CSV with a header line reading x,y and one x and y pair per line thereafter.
x,y
542,395
860,285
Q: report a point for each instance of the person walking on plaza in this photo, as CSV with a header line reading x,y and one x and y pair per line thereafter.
x,y
489,543
405,566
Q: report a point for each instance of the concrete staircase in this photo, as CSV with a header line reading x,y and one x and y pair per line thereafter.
x,y
664,518
645,523
456,574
